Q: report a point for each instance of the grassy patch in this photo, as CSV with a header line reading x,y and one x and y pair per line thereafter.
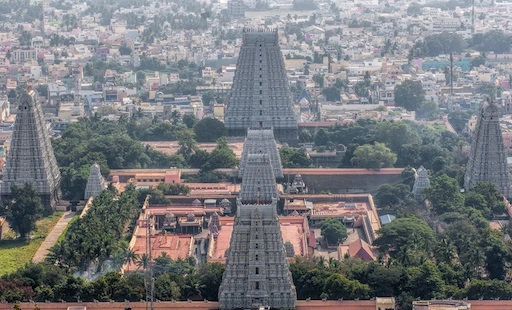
x,y
16,253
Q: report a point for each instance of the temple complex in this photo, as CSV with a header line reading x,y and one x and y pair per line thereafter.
x,y
257,270
261,141
421,181
31,158
487,159
260,96
95,182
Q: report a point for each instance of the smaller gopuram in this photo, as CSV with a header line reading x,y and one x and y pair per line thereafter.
x,y
95,182
421,181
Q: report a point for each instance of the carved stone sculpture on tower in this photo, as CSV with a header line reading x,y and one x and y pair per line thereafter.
x,y
31,158
257,270
261,141
95,182
487,159
260,96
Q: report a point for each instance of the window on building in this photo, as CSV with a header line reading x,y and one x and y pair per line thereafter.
x,y
257,271
257,285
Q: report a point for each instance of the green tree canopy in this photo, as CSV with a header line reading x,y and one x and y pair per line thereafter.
x,y
333,231
374,156
209,130
444,194
23,209
405,234
409,94
294,158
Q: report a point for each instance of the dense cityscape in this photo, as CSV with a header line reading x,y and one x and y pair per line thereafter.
x,y
255,154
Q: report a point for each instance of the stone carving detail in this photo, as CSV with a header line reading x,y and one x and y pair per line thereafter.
x,y
261,141
95,182
257,270
31,158
260,95
487,159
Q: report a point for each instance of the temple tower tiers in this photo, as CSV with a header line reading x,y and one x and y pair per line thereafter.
x,y
421,181
260,96
487,159
95,182
257,270
261,141
31,158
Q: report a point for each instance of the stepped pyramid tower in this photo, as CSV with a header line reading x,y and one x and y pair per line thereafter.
x,y
421,181
487,159
257,270
260,96
95,182
261,141
31,158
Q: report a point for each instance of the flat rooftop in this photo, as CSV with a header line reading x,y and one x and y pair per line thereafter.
x,y
294,229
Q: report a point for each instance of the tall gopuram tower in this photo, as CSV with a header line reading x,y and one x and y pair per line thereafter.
x,y
31,158
260,96
261,141
487,160
257,270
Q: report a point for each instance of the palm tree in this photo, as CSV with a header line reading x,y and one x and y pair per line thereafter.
x,y
142,261
130,258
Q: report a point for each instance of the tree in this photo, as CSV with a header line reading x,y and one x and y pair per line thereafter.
x,y
409,94
390,195
319,80
125,50
209,129
425,281
405,234
374,156
221,157
338,286
333,231
190,120
428,110
187,144
305,136
210,278
23,209
173,189
207,97
444,194
166,288
331,94
294,158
